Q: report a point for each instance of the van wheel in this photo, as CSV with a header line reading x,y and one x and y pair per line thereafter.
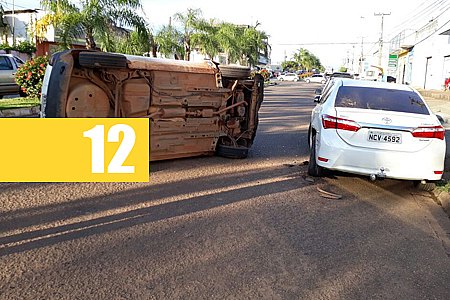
x,y
232,151
313,168
96,59
237,72
427,187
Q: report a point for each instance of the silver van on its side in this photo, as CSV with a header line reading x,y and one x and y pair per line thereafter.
x,y
194,108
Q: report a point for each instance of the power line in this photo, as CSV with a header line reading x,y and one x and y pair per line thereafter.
x,y
430,12
435,18
413,17
320,44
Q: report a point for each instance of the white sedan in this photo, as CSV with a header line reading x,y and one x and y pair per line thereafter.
x,y
378,129
318,78
289,77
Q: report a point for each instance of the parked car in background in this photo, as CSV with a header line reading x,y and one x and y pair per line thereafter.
x,y
317,78
378,129
193,108
341,75
288,77
8,68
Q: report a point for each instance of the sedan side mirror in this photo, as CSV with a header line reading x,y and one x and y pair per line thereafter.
x,y
318,91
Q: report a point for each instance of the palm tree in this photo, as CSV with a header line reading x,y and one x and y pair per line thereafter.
x,y
205,38
93,19
253,42
307,60
170,42
228,39
190,22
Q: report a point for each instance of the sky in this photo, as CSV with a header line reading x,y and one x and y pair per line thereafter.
x,y
332,30
294,24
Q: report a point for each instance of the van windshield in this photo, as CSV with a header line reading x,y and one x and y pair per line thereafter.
x,y
380,99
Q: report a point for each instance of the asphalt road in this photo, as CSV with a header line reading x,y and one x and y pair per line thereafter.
x,y
214,228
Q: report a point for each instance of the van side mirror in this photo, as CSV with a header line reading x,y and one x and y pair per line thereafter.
x,y
317,98
318,91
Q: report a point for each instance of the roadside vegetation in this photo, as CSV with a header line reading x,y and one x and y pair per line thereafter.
x,y
104,25
9,103
303,60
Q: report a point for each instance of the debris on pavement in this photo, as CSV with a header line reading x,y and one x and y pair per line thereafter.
x,y
328,195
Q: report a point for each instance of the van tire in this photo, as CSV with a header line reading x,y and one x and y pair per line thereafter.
x,y
232,151
102,60
237,72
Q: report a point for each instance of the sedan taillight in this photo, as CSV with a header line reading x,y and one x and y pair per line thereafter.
x,y
429,132
339,123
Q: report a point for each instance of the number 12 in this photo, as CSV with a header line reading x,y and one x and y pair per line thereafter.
x,y
97,135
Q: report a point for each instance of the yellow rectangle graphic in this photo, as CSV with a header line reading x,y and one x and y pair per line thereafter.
x,y
74,150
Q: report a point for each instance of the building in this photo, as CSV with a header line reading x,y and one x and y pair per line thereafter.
x,y
421,56
18,25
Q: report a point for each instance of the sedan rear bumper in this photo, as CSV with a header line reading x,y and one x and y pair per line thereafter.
x,y
426,164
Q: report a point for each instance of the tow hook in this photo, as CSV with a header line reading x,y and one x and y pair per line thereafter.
x,y
379,175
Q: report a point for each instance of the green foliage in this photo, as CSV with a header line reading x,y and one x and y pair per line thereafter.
x,y
134,44
342,69
93,20
307,61
26,47
170,42
9,103
290,65
6,47
241,44
189,22
31,75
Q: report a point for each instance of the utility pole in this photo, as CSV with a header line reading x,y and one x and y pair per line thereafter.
x,y
361,62
362,57
381,35
13,25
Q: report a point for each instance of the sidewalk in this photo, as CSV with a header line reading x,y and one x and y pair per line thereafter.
x,y
26,112
439,103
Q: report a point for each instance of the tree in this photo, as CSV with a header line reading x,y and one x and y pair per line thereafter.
x,y
189,22
206,38
307,60
92,19
170,42
132,43
290,65
252,43
228,40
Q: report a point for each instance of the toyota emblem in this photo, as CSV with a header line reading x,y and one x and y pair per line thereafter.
x,y
387,120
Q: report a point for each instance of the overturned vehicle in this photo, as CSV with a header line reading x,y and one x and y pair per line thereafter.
x,y
194,108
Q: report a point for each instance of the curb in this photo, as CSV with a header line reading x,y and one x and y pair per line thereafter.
x,y
21,112
443,199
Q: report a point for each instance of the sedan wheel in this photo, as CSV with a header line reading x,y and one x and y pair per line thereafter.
x,y
313,168
427,187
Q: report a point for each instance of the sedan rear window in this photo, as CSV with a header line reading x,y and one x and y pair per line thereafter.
x,y
380,99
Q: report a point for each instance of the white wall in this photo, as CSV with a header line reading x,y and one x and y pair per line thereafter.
x,y
432,50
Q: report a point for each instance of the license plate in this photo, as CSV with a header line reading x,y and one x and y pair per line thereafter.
x,y
383,137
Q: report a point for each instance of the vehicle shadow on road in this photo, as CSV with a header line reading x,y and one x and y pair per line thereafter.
x,y
155,197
